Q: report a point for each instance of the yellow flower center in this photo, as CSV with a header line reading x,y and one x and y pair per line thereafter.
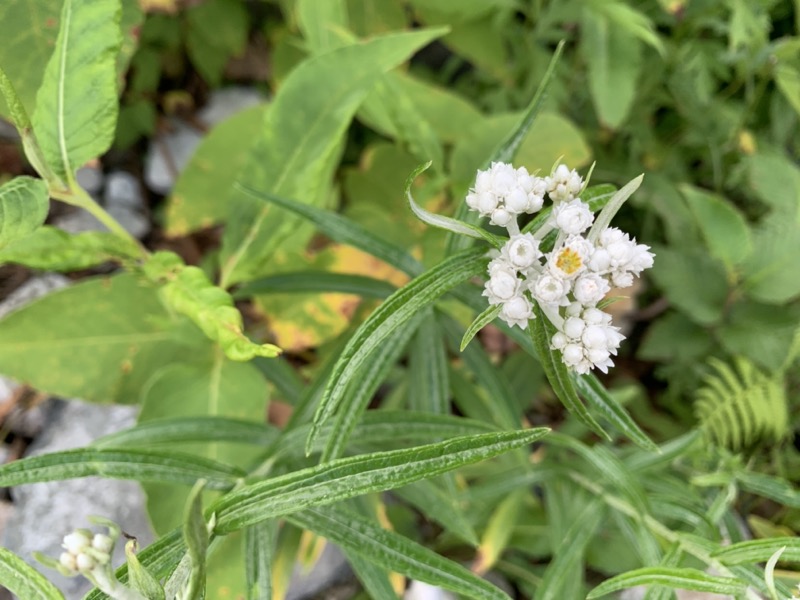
x,y
569,261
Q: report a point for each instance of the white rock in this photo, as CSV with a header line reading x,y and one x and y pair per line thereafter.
x,y
423,591
124,200
90,178
31,290
170,152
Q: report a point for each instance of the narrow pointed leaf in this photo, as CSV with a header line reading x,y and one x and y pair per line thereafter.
x,y
140,578
348,477
481,321
316,281
195,535
603,220
74,126
260,546
676,578
753,551
443,222
23,580
395,552
597,397
397,310
343,230
557,374
138,465
23,209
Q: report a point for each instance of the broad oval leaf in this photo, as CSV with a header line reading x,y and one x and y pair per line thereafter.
x,y
298,149
74,126
349,477
137,465
23,209
23,580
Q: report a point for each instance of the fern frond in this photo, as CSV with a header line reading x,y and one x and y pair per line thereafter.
x,y
742,406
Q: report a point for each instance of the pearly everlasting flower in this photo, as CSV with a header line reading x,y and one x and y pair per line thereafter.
x,y
570,259
590,288
573,217
517,311
502,192
548,289
522,251
569,281
503,284
77,541
563,184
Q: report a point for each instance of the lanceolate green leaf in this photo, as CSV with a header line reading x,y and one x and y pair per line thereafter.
x,y
363,388
22,580
300,141
341,229
138,465
195,535
483,319
680,578
76,106
753,551
190,429
348,477
23,208
316,281
557,374
395,552
393,313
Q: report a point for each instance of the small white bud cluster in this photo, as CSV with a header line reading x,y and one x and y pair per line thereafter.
x,y
567,282
503,192
85,551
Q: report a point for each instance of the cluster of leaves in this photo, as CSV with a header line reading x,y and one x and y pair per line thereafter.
x,y
703,96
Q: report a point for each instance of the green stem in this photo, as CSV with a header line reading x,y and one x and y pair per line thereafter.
x,y
77,196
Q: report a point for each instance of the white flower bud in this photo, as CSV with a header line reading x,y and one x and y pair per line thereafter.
x,y
501,217
85,562
516,201
559,340
594,316
503,178
68,561
535,203
590,288
76,542
621,279
487,202
572,354
573,217
472,200
611,235
522,250
594,337
483,181
600,260
517,311
620,252
642,258
574,309
573,327
102,543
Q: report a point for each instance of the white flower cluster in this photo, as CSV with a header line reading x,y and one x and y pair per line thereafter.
x,y
85,551
567,282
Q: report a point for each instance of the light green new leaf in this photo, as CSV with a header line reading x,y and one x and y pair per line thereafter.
x,y
348,477
52,249
319,22
23,208
139,577
680,578
613,57
393,313
195,535
723,227
22,580
76,106
138,465
767,486
755,551
394,552
187,290
483,319
298,148
498,531
99,340
541,331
